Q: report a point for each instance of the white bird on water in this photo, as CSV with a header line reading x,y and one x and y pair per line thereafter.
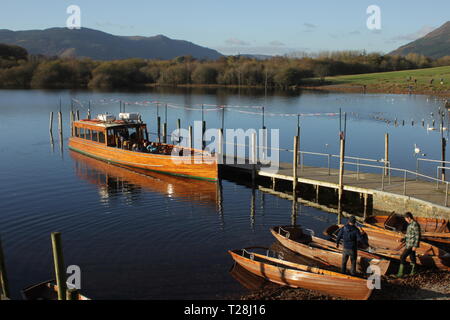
x,y
417,151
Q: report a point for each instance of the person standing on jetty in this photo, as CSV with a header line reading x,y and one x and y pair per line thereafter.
x,y
351,236
412,241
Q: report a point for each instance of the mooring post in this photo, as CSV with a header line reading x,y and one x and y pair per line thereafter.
x,y
179,129
295,169
158,129
191,138
58,261
253,158
165,132
60,122
50,125
78,115
386,153
3,277
341,175
71,122
203,134
220,146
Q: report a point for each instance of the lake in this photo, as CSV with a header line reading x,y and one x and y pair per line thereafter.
x,y
159,237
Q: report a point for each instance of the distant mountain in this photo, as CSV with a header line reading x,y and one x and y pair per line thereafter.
x,y
435,45
256,56
100,45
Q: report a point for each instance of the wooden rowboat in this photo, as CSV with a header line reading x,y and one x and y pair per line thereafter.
x,y
46,290
324,251
389,245
295,275
436,230
113,140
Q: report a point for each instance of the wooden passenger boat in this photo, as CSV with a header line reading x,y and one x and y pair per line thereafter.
x,y
323,250
109,178
112,141
295,275
46,290
436,230
389,245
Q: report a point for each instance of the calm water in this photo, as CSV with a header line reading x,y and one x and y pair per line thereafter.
x,y
157,237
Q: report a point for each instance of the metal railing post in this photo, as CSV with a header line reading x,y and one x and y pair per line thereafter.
x,y
404,185
329,170
446,194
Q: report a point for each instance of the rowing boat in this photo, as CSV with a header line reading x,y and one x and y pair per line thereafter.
x,y
46,290
390,245
432,229
324,251
286,273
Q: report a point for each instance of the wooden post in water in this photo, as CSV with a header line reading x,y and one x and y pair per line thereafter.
x,y
60,122
254,158
295,169
58,261
165,132
158,121
78,115
50,125
71,122
191,138
341,175
3,277
179,129
386,154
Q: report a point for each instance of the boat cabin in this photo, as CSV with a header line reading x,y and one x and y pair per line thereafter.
x,y
125,133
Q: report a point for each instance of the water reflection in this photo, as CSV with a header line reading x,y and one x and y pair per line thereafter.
x,y
112,180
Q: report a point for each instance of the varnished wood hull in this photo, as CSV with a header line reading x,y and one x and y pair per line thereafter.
x,y
200,167
286,274
326,252
104,175
388,244
436,230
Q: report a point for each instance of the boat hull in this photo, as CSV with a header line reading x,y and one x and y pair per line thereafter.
x,y
389,244
326,252
199,167
340,286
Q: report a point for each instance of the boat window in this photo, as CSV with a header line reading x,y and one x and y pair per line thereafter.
x,y
76,132
101,137
88,134
82,133
94,135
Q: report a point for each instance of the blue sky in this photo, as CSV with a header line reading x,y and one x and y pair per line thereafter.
x,y
246,26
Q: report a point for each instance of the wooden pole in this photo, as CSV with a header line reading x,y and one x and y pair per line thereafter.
x,y
220,147
254,158
179,127
165,132
159,128
50,125
78,115
60,122
443,146
191,138
203,134
71,122
295,169
3,276
341,175
386,153
58,261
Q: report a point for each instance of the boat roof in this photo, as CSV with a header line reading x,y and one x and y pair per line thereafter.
x,y
109,124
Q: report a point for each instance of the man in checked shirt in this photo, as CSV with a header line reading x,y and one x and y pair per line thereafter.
x,y
411,240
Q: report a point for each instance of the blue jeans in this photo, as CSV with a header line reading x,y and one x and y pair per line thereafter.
x,y
352,254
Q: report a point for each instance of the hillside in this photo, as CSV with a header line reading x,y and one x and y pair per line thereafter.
x,y
435,45
99,45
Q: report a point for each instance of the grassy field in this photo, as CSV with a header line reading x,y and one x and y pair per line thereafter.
x,y
397,81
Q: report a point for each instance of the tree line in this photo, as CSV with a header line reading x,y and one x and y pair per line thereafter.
x,y
20,70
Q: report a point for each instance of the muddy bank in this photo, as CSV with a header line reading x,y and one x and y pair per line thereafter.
x,y
427,285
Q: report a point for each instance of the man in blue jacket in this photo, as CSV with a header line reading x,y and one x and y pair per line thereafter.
x,y
351,236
